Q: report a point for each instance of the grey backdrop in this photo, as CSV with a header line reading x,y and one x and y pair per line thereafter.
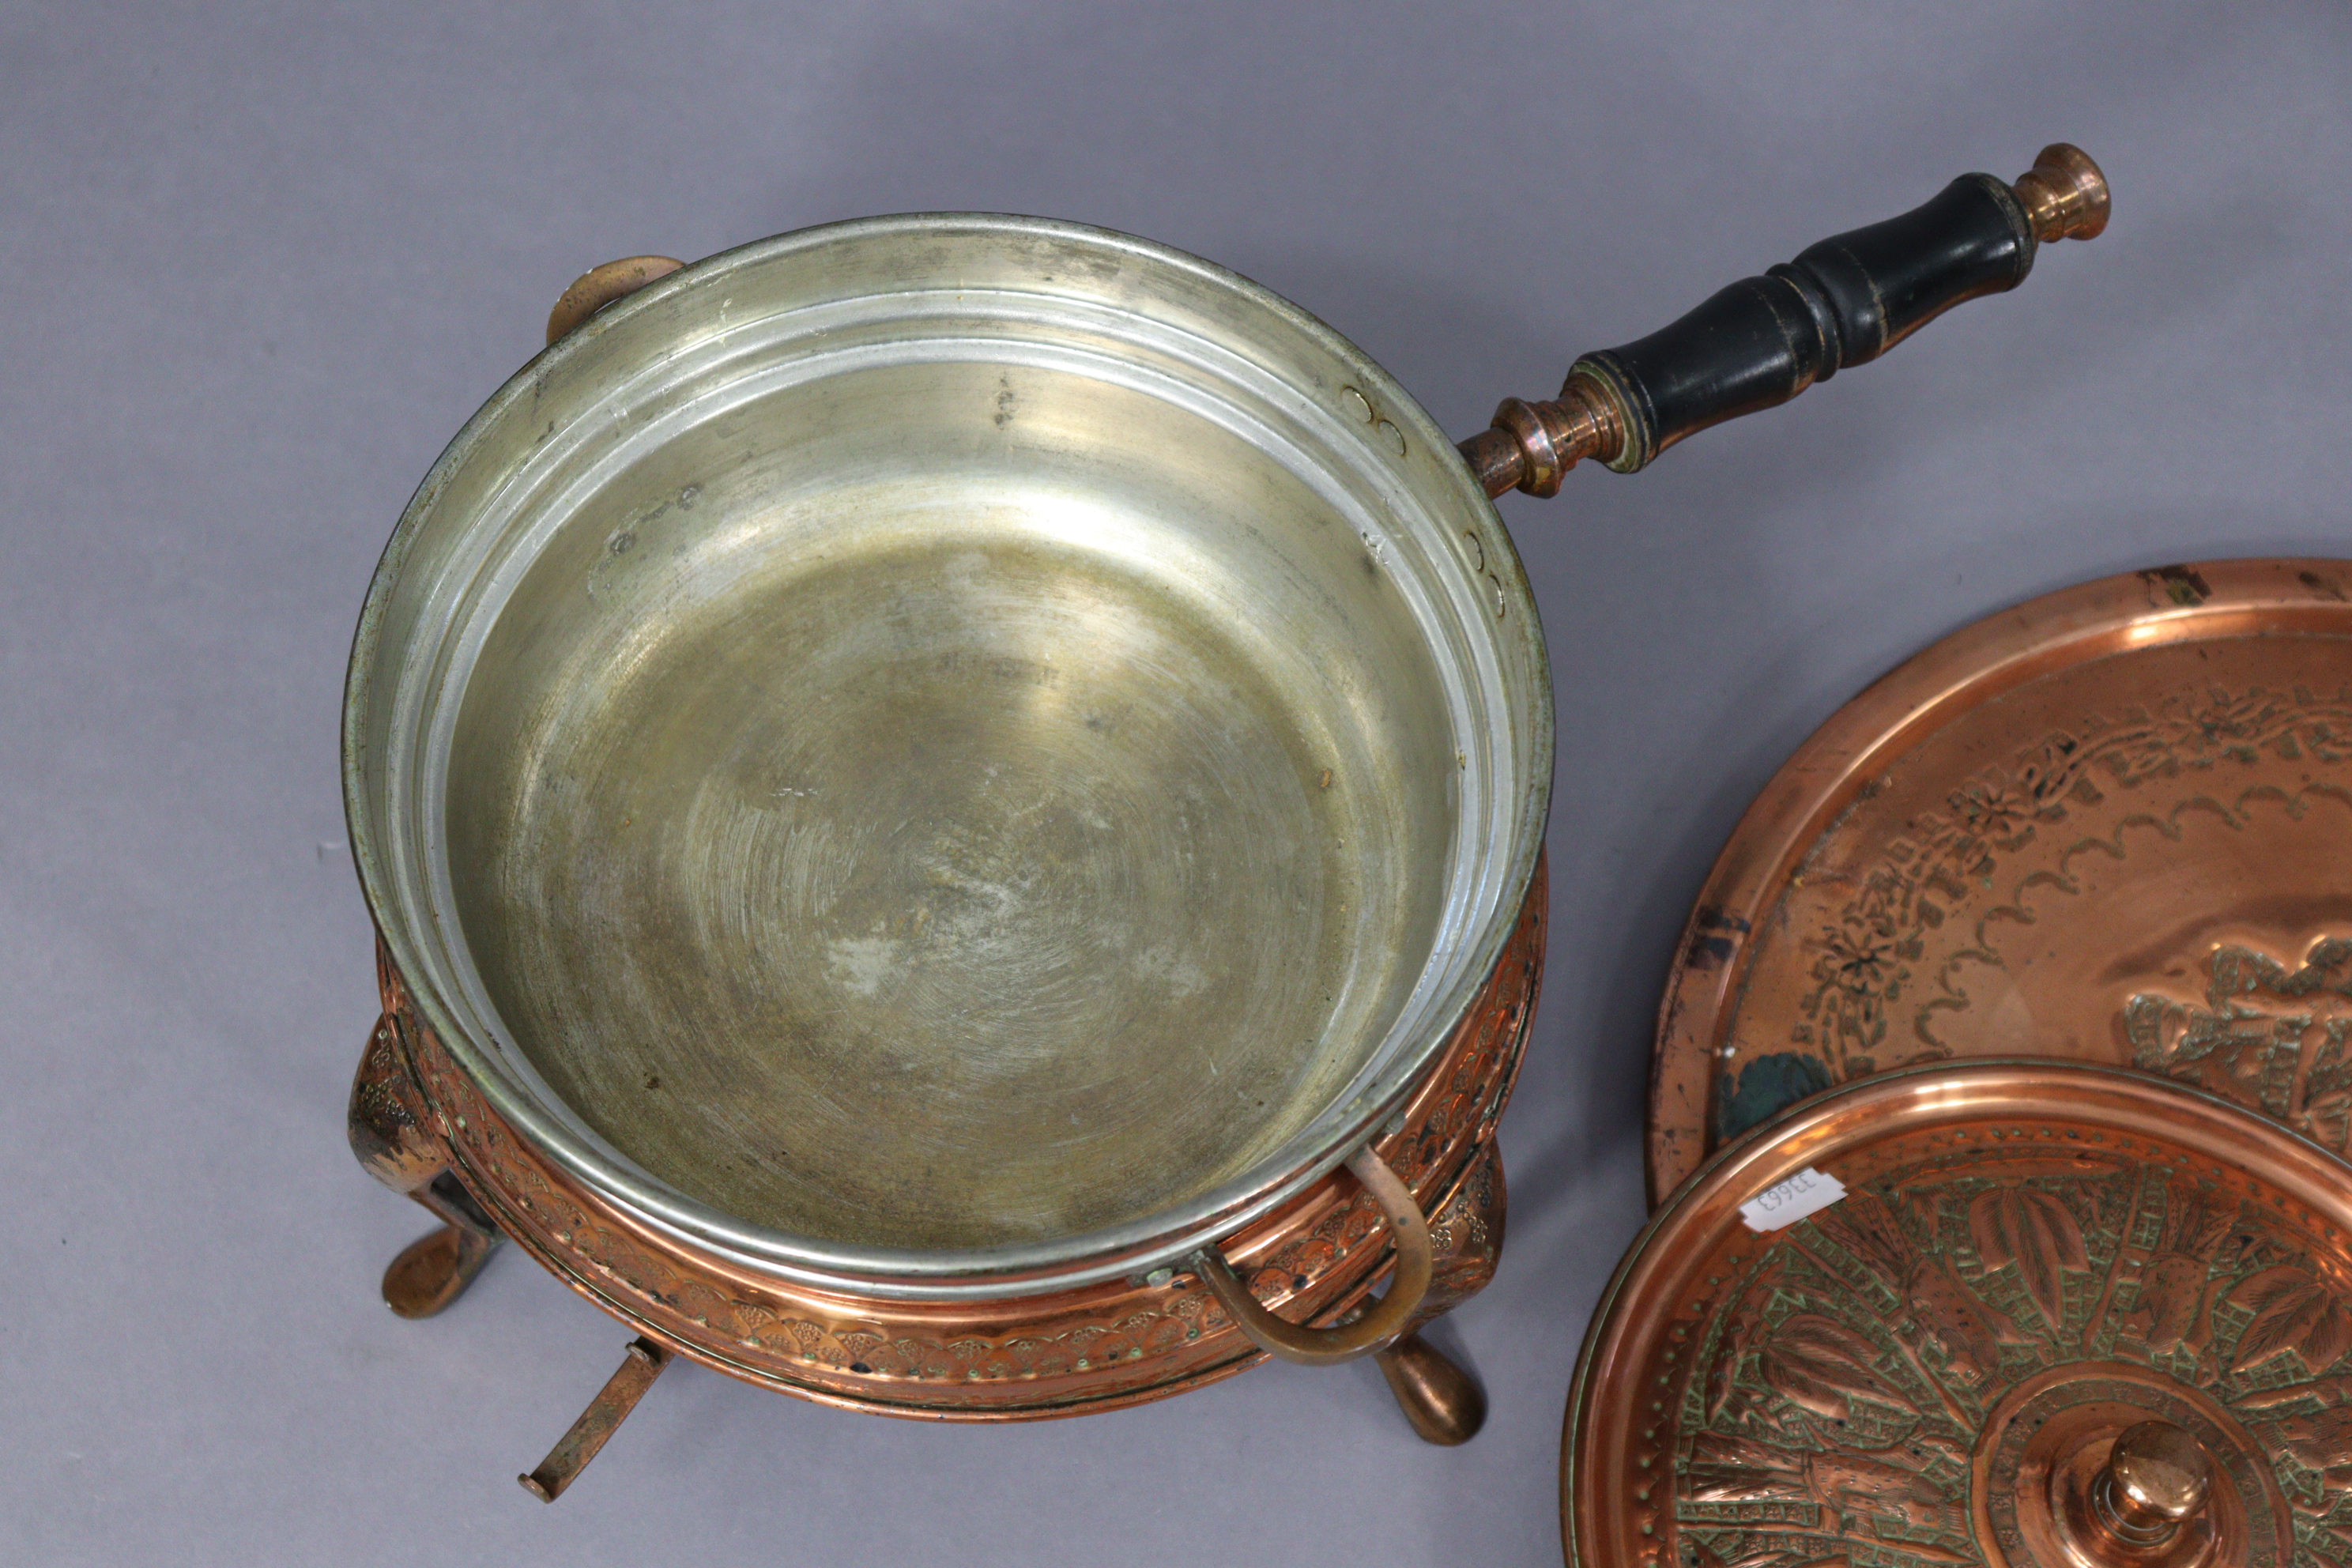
x,y
263,260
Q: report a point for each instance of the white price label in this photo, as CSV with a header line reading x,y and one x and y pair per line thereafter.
x,y
1777,1207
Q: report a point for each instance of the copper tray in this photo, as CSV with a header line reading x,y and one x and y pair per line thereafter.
x,y
2113,824
2062,1316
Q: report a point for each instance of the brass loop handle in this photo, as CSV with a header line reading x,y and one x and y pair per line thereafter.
x,y
600,286
1379,1328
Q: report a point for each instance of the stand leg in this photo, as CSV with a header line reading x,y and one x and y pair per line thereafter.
x,y
1442,1400
597,1422
388,1132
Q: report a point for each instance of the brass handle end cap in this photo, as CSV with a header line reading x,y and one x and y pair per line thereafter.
x,y
2065,194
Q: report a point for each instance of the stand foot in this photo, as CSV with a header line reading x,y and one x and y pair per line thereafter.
x,y
434,1270
1445,1404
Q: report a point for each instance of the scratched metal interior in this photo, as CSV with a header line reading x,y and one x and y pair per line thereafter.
x,y
958,768
948,857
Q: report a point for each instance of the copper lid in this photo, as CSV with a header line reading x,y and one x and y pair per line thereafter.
x,y
2111,824
2062,1317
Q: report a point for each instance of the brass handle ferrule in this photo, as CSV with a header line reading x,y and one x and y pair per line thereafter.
x,y
1531,446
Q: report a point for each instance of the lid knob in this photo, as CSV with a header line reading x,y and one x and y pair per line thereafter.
x,y
2155,1479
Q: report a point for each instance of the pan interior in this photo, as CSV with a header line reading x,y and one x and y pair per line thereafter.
x,y
952,804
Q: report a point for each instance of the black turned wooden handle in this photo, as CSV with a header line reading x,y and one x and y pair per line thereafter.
x,y
1762,340
1841,302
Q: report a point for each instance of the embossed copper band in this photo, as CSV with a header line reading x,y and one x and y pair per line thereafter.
x,y
1063,1354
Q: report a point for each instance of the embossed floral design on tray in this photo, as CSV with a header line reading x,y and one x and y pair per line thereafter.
x,y
1891,970
1946,860
2065,830
1841,1385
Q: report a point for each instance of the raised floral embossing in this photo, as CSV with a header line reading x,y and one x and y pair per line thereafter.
x,y
2292,1312
1867,959
1820,1364
1833,1416
2034,1233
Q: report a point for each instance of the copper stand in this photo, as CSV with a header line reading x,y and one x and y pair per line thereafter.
x,y
417,1125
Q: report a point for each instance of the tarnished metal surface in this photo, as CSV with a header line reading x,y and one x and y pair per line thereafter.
x,y
905,877
1378,1326
389,1130
949,755
594,1428
601,286
1444,1403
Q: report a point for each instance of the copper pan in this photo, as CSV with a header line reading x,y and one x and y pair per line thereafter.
x,y
955,770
